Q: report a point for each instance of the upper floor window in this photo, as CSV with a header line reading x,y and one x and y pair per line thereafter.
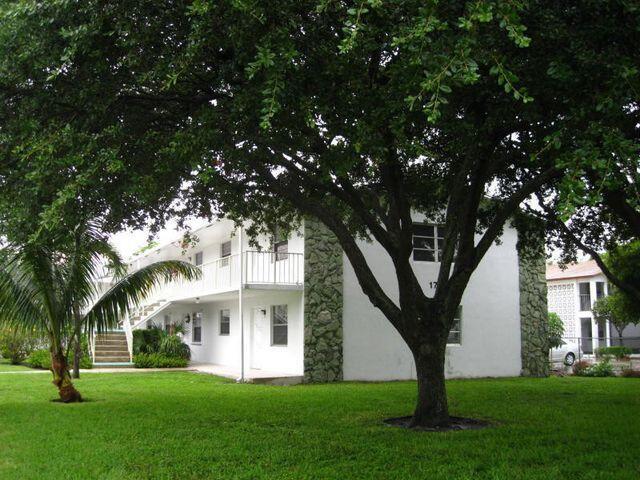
x,y
279,325
600,290
196,329
167,323
428,241
225,322
455,334
198,259
585,296
280,245
225,252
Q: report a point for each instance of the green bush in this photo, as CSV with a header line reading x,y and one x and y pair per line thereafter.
x,y
16,346
555,331
617,351
39,359
158,360
42,359
147,340
172,346
601,369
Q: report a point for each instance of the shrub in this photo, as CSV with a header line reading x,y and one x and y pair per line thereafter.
x,y
39,359
630,373
172,346
16,346
601,369
147,340
618,351
158,360
555,331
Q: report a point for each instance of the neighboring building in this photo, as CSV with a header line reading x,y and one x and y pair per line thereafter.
x,y
571,294
305,315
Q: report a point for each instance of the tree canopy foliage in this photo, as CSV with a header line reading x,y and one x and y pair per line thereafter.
x,y
358,113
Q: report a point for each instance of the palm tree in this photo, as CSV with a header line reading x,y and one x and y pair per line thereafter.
x,y
53,290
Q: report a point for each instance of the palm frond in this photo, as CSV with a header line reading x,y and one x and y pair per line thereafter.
x,y
20,298
130,291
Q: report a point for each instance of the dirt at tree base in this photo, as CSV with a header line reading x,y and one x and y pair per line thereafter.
x,y
455,424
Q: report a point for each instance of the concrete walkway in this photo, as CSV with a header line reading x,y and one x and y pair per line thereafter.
x,y
251,375
109,370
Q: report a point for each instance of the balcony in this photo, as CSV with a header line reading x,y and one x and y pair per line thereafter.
x,y
263,270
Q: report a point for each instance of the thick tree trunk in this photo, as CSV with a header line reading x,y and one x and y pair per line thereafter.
x,y
77,354
432,409
62,379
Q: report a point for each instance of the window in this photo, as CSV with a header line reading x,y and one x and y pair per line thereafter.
x,y
225,251
198,260
280,246
428,241
455,334
585,297
167,323
279,325
225,322
196,329
599,290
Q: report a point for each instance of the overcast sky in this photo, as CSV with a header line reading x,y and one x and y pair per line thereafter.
x,y
130,241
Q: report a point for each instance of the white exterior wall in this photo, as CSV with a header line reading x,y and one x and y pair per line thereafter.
x,y
373,349
226,349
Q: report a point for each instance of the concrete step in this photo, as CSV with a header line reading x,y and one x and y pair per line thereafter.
x,y
109,348
126,364
120,351
103,338
111,343
112,358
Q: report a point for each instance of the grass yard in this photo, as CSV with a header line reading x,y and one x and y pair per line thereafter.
x,y
189,426
5,366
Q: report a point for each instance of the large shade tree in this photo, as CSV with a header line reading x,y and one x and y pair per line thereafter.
x,y
50,286
358,113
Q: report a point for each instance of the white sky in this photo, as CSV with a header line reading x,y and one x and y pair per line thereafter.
x,y
127,242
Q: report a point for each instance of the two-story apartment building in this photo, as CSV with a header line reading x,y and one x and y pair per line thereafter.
x,y
293,307
572,292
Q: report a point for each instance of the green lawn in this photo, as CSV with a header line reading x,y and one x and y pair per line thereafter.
x,y
5,366
184,425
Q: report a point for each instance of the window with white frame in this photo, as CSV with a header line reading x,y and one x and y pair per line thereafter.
x,y
280,245
198,259
428,241
196,329
279,325
455,334
225,253
225,322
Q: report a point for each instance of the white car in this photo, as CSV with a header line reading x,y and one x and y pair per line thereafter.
x,y
567,353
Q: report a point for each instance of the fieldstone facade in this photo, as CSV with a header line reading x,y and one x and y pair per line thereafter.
x,y
533,299
322,304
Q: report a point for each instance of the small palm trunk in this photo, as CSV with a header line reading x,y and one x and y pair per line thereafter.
x,y
62,379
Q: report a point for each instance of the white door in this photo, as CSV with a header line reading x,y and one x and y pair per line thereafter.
x,y
259,336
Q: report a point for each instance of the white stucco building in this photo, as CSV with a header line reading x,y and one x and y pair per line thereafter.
x,y
292,307
571,293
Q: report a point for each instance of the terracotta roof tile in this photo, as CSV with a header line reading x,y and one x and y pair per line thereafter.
x,y
574,270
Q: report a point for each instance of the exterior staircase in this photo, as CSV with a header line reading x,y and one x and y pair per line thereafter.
x,y
111,349
146,312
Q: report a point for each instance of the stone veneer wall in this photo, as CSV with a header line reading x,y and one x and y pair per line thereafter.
x,y
322,304
533,299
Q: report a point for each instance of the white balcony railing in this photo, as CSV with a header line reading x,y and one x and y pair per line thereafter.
x,y
223,274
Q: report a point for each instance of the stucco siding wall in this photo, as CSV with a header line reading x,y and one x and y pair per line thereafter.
x,y
490,346
225,349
